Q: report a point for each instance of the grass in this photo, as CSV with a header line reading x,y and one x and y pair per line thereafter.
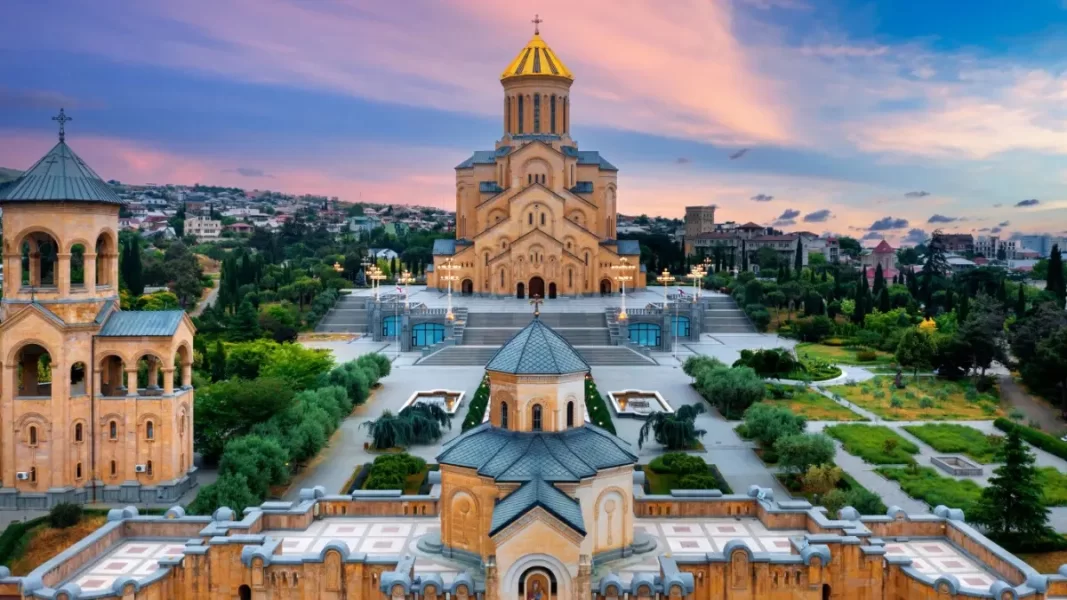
x,y
816,407
1054,485
871,443
924,398
43,543
841,355
923,483
958,439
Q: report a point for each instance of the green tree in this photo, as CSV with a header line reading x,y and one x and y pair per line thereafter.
x,y
1020,301
767,423
1050,364
800,452
262,461
1011,507
132,269
798,260
884,304
299,365
389,431
744,255
231,408
231,491
767,259
674,431
245,360
983,333
218,362
879,280
915,350
245,323
731,390
1056,283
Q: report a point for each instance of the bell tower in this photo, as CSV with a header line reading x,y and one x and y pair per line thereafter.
x,y
536,90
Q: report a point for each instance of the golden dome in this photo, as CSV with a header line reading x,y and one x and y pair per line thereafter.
x,y
536,59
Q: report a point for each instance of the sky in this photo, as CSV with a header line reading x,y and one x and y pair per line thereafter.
x,y
870,119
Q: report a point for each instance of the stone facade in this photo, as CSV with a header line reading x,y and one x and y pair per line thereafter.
x,y
535,216
76,425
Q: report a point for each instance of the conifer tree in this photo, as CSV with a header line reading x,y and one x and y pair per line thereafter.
x,y
964,308
245,323
744,256
1020,302
1055,282
1012,505
218,362
798,262
879,280
883,301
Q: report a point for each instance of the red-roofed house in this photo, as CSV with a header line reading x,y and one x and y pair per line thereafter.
x,y
882,254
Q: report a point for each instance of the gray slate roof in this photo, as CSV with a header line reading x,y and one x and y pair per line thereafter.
x,y
537,350
484,157
533,494
142,323
448,247
589,157
60,175
515,456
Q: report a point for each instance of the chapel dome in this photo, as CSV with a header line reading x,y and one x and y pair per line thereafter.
x,y
538,60
60,175
537,350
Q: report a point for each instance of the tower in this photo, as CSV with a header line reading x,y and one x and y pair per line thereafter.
x,y
536,91
96,404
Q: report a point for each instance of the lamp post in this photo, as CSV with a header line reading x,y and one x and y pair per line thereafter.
x,y
449,267
665,279
622,275
405,280
365,263
697,274
376,276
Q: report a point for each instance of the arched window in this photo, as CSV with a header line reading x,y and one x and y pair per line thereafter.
x,y
244,593
33,435
114,468
552,113
570,278
503,415
542,218
149,430
529,219
501,277
587,257
33,474
529,178
113,430
78,471
78,432
570,414
148,468
644,334
536,425
537,113
507,114
521,113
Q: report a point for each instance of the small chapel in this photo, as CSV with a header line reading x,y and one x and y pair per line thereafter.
x,y
535,216
96,403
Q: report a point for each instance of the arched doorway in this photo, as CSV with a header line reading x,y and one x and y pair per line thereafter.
x,y
552,290
537,287
605,287
244,593
538,583
467,287
826,591
551,575
520,290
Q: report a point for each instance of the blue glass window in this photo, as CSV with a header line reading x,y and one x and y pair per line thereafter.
x,y
681,326
427,334
644,334
390,327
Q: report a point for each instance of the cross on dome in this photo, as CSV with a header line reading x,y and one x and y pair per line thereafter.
x,y
536,300
537,20
62,118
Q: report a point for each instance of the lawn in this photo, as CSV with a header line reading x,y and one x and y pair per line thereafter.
x,y
924,398
876,444
43,542
842,355
815,407
1054,485
923,483
958,439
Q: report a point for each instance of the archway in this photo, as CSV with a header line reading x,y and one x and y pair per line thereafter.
x,y
39,259
605,287
112,376
106,263
520,290
537,287
538,583
34,376
467,287
244,593
558,575
826,591
552,290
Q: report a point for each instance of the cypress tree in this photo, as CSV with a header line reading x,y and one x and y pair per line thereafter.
x,y
964,309
744,256
950,300
879,279
863,283
218,362
861,303
1020,302
132,269
798,262
1055,282
883,301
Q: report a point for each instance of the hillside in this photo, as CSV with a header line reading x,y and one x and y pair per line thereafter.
x,y
8,174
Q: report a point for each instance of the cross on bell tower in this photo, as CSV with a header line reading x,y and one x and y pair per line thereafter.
x,y
537,20
62,118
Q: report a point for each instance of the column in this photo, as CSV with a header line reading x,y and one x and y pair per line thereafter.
x,y
187,375
62,274
153,373
7,414
98,390
131,380
90,272
168,381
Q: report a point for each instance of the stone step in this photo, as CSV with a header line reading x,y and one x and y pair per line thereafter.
x,y
486,336
519,320
480,355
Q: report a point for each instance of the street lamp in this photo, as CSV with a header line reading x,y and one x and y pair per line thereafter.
x,y
405,279
338,268
622,275
665,279
376,276
449,267
697,274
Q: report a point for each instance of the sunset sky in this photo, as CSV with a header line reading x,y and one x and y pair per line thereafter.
x,y
863,118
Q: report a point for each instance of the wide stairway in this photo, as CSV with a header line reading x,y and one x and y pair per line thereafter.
x,y
723,316
349,315
484,333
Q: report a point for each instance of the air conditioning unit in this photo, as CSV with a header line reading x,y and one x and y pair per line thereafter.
x,y
22,476
139,468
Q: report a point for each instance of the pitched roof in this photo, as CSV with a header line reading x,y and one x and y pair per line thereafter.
x,y
536,59
537,493
883,248
142,323
751,225
60,175
515,456
484,157
445,247
537,350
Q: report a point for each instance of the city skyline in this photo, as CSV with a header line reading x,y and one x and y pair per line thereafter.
x,y
839,117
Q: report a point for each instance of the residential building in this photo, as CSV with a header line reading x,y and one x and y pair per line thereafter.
x,y
698,220
750,237
203,229
882,255
960,243
993,247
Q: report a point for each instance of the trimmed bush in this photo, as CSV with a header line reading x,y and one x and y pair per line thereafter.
x,y
1038,438
678,463
64,515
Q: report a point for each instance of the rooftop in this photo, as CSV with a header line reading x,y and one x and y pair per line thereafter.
x,y
537,350
59,176
536,59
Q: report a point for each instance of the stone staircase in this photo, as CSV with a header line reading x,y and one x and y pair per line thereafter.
x,y
349,315
478,356
494,329
721,315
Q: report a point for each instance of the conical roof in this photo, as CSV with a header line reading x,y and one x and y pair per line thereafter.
x,y
60,175
536,59
537,350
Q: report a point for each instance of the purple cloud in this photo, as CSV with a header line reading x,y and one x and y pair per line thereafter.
x,y
941,219
888,223
1029,202
917,194
818,216
761,198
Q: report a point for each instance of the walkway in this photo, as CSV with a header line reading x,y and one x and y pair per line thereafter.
x,y
1036,410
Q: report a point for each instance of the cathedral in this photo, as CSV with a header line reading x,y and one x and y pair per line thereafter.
x,y
535,216
96,403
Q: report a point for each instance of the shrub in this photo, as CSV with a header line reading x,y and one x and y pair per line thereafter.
x,y
698,481
923,483
971,395
820,479
1040,439
767,423
772,362
678,463
895,402
798,453
926,402
985,383
64,515
731,390
866,356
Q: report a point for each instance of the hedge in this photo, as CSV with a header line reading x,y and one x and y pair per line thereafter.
x,y
1040,439
476,407
11,539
